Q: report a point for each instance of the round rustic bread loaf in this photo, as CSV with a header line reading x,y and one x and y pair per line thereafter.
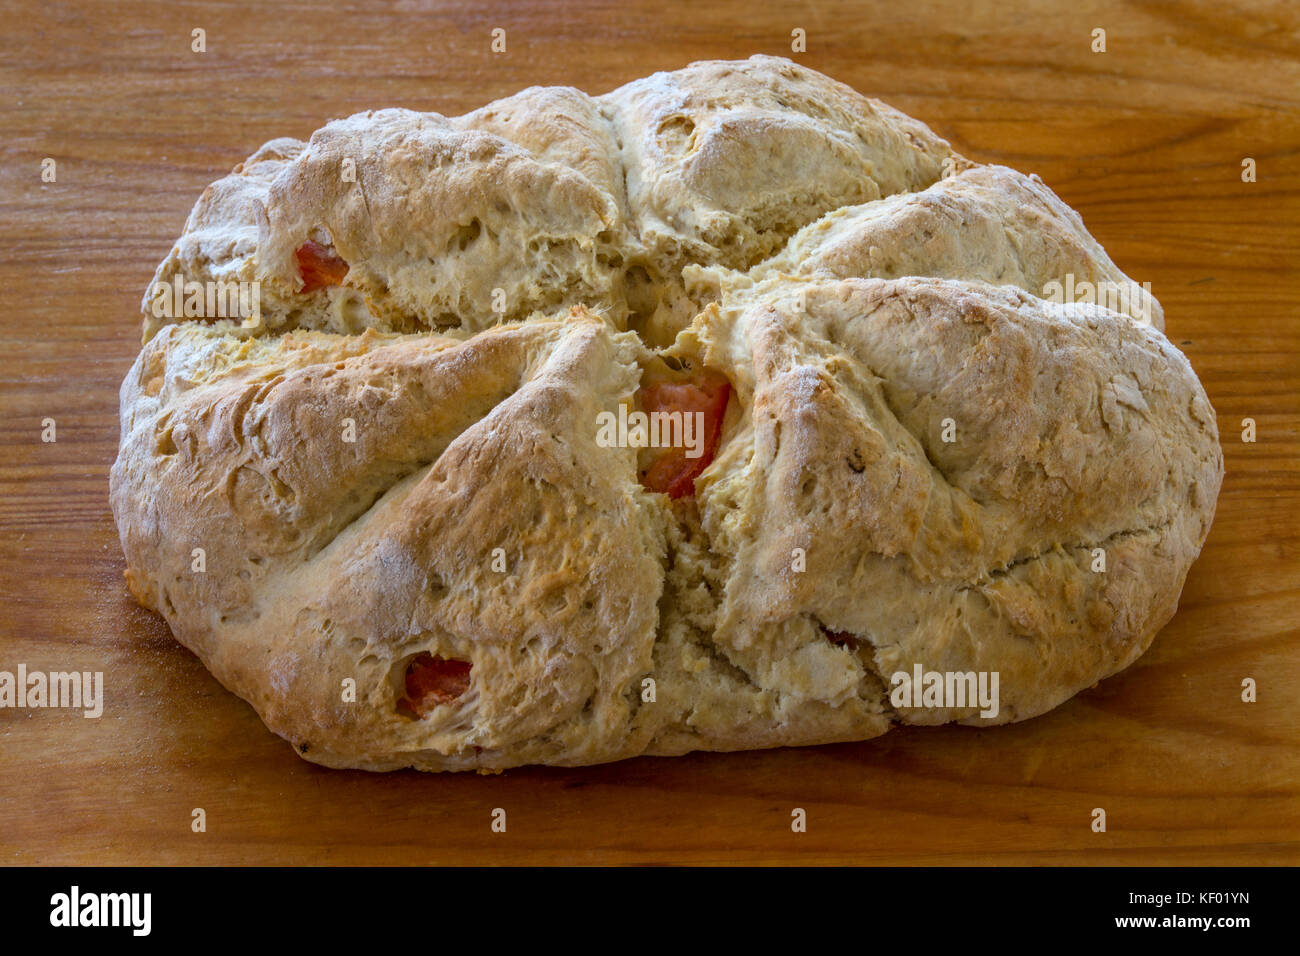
x,y
384,508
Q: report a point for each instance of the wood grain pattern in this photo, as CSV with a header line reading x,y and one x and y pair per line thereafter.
x,y
1145,140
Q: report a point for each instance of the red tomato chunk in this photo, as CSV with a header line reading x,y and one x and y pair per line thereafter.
x,y
319,266
432,680
673,473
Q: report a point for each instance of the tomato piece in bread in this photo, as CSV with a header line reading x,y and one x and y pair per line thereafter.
x,y
319,266
673,471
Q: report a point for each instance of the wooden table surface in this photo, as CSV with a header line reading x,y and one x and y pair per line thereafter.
x,y
1146,140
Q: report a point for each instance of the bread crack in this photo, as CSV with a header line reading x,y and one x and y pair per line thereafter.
x,y
1007,570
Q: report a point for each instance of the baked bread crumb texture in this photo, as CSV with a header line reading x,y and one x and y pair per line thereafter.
x,y
692,416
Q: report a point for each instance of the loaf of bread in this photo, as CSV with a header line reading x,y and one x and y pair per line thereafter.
x,y
701,415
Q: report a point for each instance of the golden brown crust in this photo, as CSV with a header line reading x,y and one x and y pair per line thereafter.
x,y
405,466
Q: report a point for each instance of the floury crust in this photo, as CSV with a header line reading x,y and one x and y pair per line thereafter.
x,y
516,273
